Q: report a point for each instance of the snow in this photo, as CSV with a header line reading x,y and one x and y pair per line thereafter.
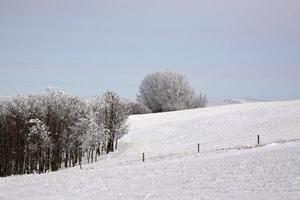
x,y
221,102
214,127
230,164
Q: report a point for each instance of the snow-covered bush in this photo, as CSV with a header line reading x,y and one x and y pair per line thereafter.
x,y
137,108
168,91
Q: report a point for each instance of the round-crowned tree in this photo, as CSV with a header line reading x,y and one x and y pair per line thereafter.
x,y
168,91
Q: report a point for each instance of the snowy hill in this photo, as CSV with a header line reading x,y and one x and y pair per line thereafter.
x,y
222,102
229,166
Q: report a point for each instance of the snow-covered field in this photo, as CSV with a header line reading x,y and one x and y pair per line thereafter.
x,y
229,165
222,102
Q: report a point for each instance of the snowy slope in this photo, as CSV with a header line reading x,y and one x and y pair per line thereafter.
x,y
222,102
229,166
214,127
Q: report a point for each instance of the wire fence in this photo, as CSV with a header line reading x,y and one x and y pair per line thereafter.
x,y
123,159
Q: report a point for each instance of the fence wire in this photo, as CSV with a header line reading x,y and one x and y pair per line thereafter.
x,y
191,149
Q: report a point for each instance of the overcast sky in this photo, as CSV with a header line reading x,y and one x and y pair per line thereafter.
x,y
226,48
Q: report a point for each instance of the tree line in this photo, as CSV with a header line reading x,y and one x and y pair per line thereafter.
x,y
54,130
46,132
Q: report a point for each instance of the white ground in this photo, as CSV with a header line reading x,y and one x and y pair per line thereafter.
x,y
229,166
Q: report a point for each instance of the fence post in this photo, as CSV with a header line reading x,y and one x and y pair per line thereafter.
x,y
258,139
198,147
143,157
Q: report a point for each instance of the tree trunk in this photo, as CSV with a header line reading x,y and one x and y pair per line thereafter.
x,y
96,154
116,146
92,156
110,145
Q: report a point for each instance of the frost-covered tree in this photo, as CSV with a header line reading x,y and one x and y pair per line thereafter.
x,y
168,91
95,136
16,131
39,146
15,115
53,130
114,114
62,113
79,131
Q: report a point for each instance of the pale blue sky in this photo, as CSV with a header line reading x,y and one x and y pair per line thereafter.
x,y
227,48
